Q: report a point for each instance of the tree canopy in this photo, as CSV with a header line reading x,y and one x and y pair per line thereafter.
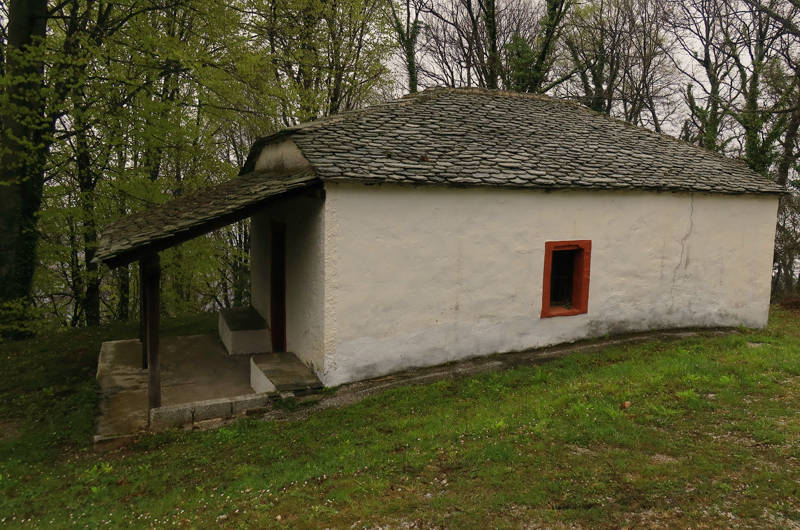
x,y
110,106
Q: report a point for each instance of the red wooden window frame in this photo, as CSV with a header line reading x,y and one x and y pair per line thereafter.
x,y
580,278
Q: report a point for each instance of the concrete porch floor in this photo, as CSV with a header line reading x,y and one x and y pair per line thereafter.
x,y
193,368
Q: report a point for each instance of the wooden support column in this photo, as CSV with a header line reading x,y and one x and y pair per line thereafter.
x,y
151,288
142,314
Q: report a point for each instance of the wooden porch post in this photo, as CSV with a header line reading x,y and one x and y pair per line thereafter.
x,y
143,314
151,288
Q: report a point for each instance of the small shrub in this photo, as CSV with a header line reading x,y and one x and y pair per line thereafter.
x,y
791,301
20,320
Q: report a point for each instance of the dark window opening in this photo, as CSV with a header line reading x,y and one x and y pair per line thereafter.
x,y
562,278
565,289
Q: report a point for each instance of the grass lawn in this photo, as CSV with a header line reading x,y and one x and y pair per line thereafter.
x,y
711,438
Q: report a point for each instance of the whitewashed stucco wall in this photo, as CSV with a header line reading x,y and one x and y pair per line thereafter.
x,y
422,276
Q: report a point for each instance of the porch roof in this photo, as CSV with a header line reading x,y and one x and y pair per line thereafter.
x,y
192,215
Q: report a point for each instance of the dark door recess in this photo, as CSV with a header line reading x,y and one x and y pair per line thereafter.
x,y
278,287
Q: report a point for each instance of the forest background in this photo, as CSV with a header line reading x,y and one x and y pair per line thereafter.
x,y
109,107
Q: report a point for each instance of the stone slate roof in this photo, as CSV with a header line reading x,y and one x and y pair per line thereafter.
x,y
192,215
453,137
478,137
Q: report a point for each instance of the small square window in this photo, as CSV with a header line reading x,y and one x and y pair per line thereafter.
x,y
565,290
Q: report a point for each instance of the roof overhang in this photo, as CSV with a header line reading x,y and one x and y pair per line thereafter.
x,y
193,215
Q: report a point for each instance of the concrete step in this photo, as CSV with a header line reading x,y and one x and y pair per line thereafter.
x,y
243,331
281,372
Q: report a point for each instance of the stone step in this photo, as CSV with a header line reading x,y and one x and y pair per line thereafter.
x,y
243,331
281,372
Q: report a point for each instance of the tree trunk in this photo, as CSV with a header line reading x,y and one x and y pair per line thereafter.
x,y
789,157
86,184
24,143
411,65
123,293
76,278
407,34
490,17
124,272
240,262
550,24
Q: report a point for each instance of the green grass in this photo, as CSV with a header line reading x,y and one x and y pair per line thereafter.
x,y
711,438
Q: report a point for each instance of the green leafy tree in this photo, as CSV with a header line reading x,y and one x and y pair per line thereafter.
x,y
529,64
24,143
406,25
151,100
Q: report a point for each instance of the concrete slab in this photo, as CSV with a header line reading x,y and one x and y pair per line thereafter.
x,y
123,390
193,368
196,368
212,408
252,402
243,319
197,414
258,380
286,372
164,418
243,331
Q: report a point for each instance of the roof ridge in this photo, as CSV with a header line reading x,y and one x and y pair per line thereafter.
x,y
343,116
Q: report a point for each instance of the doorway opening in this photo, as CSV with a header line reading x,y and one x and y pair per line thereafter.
x,y
278,287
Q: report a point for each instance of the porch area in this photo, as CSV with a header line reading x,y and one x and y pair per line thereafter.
x,y
156,383
200,382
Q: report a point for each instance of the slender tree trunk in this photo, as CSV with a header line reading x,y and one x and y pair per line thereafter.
x,y
76,277
751,118
24,143
550,24
306,71
123,273
788,157
241,269
712,124
411,64
123,293
86,184
335,103
224,289
238,281
407,34
490,14
92,297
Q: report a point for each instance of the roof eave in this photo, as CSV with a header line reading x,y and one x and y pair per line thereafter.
x,y
136,251
376,180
